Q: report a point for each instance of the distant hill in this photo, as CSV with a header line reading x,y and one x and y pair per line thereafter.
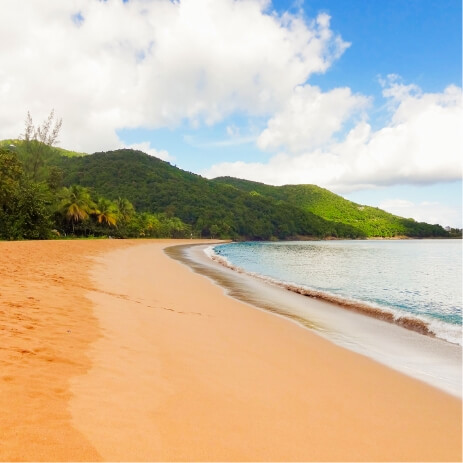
x,y
233,207
370,221
55,150
213,209
224,207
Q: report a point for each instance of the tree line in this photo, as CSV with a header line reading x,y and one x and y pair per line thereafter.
x,y
44,209
46,192
211,209
34,203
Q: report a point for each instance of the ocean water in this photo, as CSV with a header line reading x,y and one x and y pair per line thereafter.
x,y
417,280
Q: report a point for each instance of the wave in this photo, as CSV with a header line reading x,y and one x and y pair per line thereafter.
x,y
419,324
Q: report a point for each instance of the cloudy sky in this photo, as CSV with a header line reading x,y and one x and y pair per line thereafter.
x,y
362,97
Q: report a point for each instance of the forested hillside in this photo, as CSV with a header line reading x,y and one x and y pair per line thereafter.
x,y
212,209
370,221
234,207
129,193
34,204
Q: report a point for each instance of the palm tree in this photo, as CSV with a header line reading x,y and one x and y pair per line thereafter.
x,y
106,212
76,204
125,208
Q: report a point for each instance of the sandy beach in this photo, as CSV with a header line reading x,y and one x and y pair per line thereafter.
x,y
111,350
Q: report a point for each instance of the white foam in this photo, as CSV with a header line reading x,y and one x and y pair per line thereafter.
x,y
446,331
431,360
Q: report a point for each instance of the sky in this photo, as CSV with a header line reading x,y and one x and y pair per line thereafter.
x,y
362,97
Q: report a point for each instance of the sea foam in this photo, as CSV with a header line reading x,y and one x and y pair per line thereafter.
x,y
415,322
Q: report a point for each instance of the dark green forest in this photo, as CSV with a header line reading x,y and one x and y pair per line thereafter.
x,y
369,221
48,192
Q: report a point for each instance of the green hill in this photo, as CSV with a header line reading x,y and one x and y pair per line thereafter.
x,y
224,207
53,152
371,221
213,209
234,207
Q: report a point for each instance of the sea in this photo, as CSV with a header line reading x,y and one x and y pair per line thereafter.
x,y
403,281
398,302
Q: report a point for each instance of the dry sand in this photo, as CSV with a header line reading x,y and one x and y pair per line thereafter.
x,y
110,350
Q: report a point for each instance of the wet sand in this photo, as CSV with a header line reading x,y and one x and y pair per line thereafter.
x,y
429,359
113,351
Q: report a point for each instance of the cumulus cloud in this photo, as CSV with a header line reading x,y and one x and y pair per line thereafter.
x,y
421,144
148,149
310,118
109,65
424,211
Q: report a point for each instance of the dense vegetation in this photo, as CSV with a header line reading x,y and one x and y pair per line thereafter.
x,y
35,205
231,207
24,205
46,191
370,221
211,209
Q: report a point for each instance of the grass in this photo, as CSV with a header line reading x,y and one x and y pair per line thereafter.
x,y
60,151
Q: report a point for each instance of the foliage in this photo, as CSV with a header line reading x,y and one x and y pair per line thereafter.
x,y
233,208
40,210
455,232
37,141
18,145
369,221
76,205
211,209
106,212
24,205
127,193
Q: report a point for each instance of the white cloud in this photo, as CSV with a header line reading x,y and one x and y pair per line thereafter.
x,y
424,211
421,144
148,149
151,63
310,118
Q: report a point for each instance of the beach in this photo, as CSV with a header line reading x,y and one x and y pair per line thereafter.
x,y
113,351
424,357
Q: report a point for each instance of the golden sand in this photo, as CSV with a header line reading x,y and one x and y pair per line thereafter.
x,y
110,350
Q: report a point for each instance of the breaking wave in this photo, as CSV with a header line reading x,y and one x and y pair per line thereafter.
x,y
419,324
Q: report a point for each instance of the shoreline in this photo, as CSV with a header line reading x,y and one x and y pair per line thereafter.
x,y
430,359
406,321
420,323
160,364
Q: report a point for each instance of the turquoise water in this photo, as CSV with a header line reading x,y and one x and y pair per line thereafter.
x,y
413,278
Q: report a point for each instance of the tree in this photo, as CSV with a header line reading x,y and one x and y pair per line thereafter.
x,y
24,205
37,140
55,178
125,209
11,172
33,211
214,230
76,205
106,212
148,225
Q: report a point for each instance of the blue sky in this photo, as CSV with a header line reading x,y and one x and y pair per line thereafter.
x,y
362,97
419,40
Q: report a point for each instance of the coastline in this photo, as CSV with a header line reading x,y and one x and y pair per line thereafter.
x,y
164,366
376,302
429,359
408,322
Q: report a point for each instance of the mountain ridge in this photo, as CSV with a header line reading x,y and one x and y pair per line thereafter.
x,y
370,220
157,186
223,207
